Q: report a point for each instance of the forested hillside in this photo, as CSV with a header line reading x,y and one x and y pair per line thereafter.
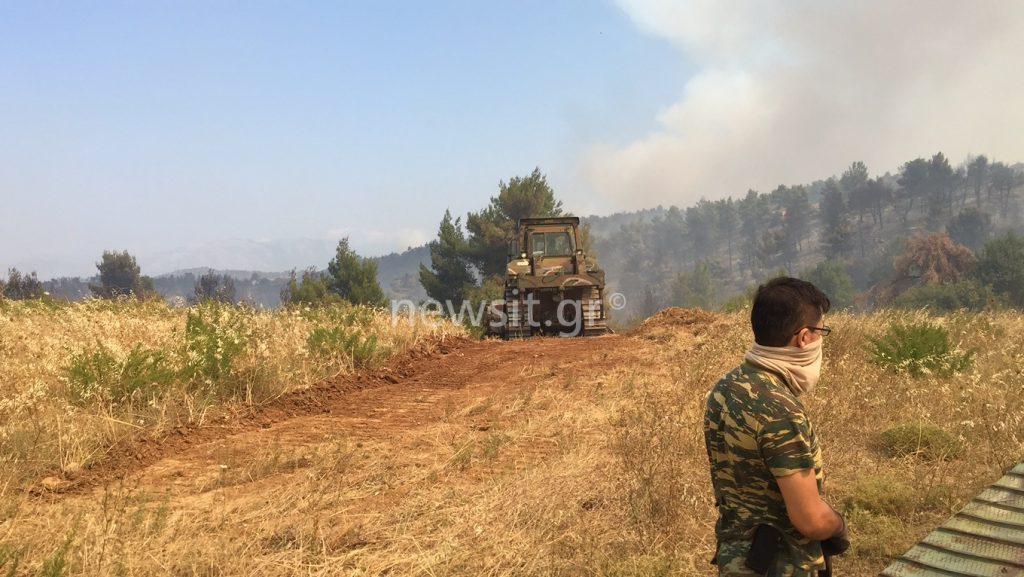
x,y
851,225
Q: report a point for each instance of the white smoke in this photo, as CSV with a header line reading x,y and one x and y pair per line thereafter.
x,y
789,92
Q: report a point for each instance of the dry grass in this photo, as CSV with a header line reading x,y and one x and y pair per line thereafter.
x,y
597,471
77,378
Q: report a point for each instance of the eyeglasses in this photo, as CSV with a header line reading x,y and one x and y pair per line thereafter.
x,y
824,330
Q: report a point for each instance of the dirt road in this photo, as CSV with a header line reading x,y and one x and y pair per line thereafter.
x,y
416,389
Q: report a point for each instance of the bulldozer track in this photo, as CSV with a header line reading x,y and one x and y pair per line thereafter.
x,y
377,406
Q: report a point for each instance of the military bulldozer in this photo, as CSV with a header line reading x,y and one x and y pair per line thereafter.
x,y
551,286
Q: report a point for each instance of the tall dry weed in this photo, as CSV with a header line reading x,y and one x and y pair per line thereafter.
x,y
76,378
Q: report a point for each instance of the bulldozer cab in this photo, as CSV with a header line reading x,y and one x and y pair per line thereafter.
x,y
549,243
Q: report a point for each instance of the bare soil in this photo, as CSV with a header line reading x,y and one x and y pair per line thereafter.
x,y
417,389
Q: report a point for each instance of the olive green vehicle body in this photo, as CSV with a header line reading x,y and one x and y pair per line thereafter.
x,y
984,539
547,272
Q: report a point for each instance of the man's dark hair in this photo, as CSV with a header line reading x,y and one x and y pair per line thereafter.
x,y
783,306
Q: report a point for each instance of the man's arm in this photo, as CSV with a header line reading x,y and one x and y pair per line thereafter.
x,y
811,516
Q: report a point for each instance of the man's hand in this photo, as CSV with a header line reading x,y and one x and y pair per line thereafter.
x,y
811,516
836,544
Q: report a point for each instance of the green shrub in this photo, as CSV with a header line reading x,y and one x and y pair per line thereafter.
x,y
97,375
215,335
649,444
89,375
343,341
874,535
339,314
874,508
312,290
918,349
142,373
638,564
831,277
882,495
1001,265
919,438
963,295
491,445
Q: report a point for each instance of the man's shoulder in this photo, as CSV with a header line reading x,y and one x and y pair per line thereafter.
x,y
746,374
756,391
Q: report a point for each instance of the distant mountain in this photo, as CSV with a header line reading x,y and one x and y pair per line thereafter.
x,y
399,273
234,274
242,255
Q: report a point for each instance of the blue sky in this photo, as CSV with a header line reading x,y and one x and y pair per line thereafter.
x,y
148,126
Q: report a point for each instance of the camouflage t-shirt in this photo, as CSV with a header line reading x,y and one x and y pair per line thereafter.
x,y
755,430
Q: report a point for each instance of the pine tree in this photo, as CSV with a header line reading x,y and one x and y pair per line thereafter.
x,y
879,195
796,218
978,176
1001,266
751,210
493,228
728,224
701,224
695,288
649,305
215,287
913,185
354,278
1004,180
831,277
311,290
21,286
120,276
837,231
941,184
449,274
970,228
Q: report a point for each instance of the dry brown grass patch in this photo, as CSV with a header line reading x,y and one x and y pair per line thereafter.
x,y
593,465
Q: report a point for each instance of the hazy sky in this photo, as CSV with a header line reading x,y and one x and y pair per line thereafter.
x,y
145,125
149,126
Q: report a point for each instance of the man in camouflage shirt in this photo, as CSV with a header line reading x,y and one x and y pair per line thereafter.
x,y
764,457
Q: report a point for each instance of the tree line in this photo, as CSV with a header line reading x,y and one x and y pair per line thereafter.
x,y
348,277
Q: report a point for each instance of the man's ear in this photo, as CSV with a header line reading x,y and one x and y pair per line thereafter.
x,y
802,338
805,338
798,339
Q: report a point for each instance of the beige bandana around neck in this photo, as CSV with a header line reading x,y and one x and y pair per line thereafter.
x,y
800,367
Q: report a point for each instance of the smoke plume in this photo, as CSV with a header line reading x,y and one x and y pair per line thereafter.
x,y
789,92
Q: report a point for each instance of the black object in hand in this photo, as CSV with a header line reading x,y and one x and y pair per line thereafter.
x,y
835,545
763,549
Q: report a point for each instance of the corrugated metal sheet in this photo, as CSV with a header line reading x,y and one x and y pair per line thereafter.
x,y
985,539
